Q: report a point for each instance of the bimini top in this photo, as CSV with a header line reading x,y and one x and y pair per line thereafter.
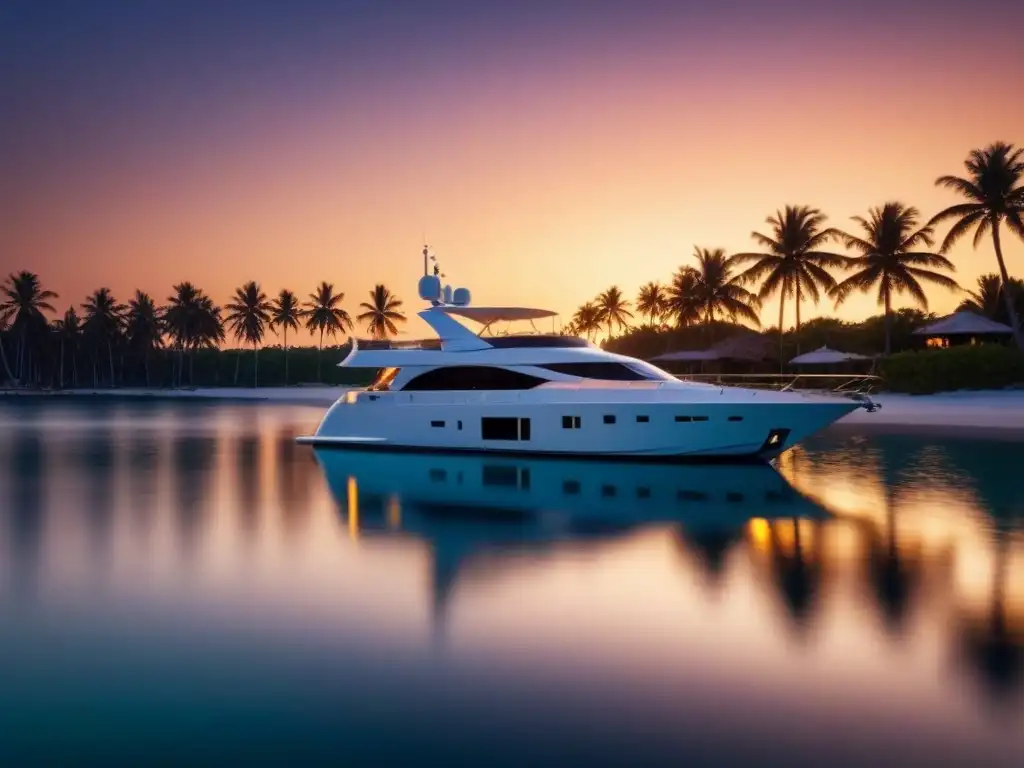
x,y
489,315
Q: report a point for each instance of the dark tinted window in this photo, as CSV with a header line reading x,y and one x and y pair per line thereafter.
x,y
499,428
466,377
512,342
606,371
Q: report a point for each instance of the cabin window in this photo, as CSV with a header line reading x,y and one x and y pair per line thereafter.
x,y
438,475
693,418
437,423
504,428
458,424
571,422
605,371
383,381
643,492
609,418
471,377
642,419
608,491
735,418
570,487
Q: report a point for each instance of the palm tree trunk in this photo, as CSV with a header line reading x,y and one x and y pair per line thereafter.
x,y
145,363
798,317
95,374
255,365
782,308
21,350
318,356
238,365
1011,310
74,367
191,367
286,355
110,357
888,319
62,364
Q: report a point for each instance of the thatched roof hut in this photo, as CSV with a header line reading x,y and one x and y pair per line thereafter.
x,y
964,324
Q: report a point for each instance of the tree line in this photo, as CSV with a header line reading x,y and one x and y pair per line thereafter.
x,y
124,342
895,254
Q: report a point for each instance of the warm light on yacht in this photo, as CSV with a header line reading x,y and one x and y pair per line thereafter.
x,y
552,394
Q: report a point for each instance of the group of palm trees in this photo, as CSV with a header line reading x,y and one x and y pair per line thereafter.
x,y
108,330
894,255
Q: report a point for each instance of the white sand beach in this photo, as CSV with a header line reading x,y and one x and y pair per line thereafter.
x,y
975,410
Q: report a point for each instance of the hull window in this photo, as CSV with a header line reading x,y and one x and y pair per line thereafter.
x,y
571,422
642,419
504,428
471,377
437,423
609,418
696,418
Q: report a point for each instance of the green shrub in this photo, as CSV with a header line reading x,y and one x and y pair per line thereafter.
x,y
982,366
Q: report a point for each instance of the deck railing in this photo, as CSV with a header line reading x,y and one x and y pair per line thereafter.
x,y
836,383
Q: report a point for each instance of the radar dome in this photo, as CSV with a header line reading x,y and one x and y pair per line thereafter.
x,y
447,294
430,288
460,297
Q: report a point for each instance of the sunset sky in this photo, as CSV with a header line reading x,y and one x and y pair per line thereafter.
x,y
545,150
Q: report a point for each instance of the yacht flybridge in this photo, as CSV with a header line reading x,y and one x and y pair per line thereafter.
x,y
551,394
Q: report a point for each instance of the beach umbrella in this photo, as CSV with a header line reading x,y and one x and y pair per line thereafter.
x,y
826,356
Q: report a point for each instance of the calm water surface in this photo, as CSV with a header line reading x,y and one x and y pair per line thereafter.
x,y
181,581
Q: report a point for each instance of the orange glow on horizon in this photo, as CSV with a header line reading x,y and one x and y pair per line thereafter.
x,y
539,180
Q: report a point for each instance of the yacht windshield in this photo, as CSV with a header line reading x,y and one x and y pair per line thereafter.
x,y
651,371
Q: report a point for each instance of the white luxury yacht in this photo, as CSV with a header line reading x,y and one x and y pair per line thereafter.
x,y
551,394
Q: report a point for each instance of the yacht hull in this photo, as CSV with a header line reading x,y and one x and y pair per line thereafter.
x,y
508,423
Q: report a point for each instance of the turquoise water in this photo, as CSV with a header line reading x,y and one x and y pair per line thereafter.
x,y
181,582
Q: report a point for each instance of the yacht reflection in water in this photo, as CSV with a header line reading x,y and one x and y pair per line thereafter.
x,y
476,511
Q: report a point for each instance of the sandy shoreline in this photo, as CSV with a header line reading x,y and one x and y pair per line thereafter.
x,y
998,410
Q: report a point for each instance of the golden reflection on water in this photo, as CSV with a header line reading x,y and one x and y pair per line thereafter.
x,y
225,517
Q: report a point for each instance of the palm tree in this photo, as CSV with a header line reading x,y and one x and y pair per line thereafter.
x,y
323,314
681,297
381,313
144,327
987,300
22,303
586,320
995,191
248,316
793,263
69,331
890,257
193,321
285,314
652,301
104,318
717,289
613,309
